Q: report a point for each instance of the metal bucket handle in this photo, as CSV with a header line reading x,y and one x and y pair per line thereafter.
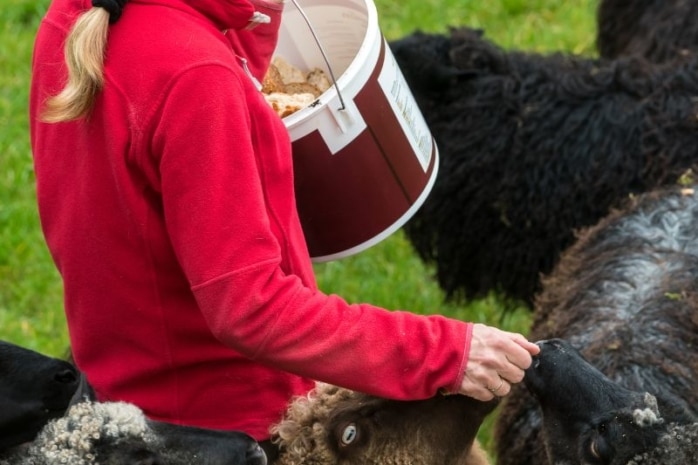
x,y
322,52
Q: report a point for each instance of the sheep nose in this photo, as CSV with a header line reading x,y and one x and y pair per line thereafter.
x,y
551,344
255,455
548,348
535,360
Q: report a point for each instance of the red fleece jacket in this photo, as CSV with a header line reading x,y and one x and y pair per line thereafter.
x,y
171,217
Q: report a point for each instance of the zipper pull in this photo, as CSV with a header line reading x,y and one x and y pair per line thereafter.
x,y
255,81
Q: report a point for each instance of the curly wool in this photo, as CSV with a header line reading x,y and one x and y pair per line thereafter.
x,y
304,425
679,446
659,30
648,416
71,439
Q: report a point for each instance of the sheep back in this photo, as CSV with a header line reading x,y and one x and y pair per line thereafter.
x,y
660,30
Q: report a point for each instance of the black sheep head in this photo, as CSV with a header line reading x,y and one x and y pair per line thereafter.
x,y
34,389
587,418
472,53
424,60
118,433
167,443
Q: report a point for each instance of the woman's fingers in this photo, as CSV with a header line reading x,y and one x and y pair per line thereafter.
x,y
529,349
484,387
497,360
501,389
512,374
475,388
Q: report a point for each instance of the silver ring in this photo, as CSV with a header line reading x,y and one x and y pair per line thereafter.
x,y
494,391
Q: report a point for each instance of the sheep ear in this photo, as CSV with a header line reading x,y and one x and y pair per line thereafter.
x,y
84,392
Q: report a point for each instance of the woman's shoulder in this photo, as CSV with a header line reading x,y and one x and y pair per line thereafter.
x,y
151,46
157,32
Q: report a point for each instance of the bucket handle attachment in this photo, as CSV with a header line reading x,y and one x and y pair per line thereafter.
x,y
322,52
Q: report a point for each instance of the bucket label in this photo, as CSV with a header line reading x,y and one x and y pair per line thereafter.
x,y
405,108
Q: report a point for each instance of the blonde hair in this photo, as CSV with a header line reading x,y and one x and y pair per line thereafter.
x,y
84,57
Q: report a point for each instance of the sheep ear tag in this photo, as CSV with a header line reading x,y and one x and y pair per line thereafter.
x,y
364,158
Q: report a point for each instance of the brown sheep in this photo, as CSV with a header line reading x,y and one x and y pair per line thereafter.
x,y
333,426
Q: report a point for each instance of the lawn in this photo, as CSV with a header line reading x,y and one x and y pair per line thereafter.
x,y
389,274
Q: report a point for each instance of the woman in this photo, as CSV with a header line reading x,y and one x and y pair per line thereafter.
x,y
165,191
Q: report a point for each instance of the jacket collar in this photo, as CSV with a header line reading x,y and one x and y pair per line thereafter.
x,y
225,14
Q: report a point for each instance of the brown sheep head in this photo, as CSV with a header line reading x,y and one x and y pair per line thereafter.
x,y
337,426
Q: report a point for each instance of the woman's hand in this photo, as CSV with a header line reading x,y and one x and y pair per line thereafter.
x,y
497,360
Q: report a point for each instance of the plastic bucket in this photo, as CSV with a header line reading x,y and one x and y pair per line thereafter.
x,y
364,158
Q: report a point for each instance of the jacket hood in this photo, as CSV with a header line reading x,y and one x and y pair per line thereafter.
x,y
252,28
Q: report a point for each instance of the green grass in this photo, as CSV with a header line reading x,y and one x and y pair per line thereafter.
x,y
389,274
30,291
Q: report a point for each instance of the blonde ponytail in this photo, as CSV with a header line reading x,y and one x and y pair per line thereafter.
x,y
84,56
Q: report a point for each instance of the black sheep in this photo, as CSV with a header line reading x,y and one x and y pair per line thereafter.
x,y
34,388
588,419
659,30
625,295
534,147
118,433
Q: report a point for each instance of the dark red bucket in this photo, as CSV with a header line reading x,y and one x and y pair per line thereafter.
x,y
364,158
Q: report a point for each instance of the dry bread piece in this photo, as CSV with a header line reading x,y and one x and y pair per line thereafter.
x,y
288,89
302,88
318,78
272,81
289,73
287,104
